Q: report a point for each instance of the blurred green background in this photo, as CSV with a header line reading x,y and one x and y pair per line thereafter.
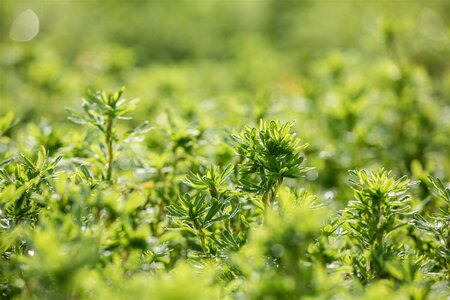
x,y
367,82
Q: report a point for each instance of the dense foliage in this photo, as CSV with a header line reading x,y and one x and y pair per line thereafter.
x,y
265,160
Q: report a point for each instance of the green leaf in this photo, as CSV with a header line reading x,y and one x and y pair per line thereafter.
x,y
213,210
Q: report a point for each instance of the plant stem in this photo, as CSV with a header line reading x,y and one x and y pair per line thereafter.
x,y
201,236
109,147
269,196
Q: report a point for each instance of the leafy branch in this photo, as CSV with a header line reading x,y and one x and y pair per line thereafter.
x,y
269,154
370,219
101,110
18,186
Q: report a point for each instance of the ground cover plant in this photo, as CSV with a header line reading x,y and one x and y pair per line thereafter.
x,y
265,160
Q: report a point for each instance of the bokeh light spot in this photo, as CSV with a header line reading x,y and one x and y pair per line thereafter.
x,y
25,27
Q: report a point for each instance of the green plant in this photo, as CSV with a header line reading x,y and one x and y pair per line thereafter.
x,y
434,241
276,263
207,214
102,110
192,207
212,181
268,154
19,186
197,215
370,221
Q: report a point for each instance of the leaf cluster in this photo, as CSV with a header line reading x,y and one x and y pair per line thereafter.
x,y
269,154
